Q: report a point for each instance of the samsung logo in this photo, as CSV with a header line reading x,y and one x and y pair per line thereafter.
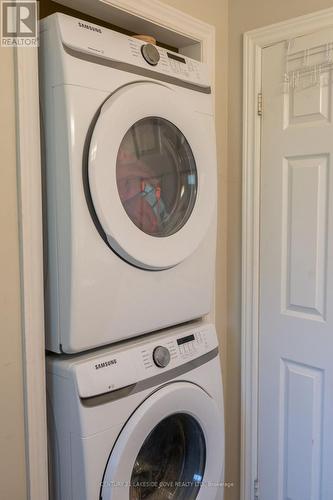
x,y
91,28
105,364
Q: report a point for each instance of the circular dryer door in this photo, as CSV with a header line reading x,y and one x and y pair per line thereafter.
x,y
151,171
171,448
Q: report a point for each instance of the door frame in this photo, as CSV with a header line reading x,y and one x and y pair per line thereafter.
x,y
254,43
151,13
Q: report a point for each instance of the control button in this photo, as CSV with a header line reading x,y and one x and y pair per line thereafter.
x,y
161,356
150,54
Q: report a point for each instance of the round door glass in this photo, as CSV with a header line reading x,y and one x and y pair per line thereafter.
x,y
156,176
171,462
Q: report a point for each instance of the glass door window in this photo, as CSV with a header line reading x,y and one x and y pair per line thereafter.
x,y
171,461
156,176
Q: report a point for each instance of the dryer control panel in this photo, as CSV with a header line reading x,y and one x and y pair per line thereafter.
x,y
136,361
169,62
83,38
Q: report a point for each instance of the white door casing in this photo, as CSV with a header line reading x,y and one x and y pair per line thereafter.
x,y
296,290
150,100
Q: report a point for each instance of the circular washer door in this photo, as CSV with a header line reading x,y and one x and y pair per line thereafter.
x,y
152,174
171,448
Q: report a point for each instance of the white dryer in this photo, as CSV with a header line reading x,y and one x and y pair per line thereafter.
x,y
130,170
140,420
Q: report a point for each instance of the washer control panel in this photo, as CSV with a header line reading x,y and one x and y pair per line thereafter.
x,y
161,356
137,360
177,350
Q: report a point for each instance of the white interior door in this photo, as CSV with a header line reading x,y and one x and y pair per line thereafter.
x,y
296,283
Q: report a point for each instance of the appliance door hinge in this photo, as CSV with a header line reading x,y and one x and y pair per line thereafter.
x,y
259,104
256,489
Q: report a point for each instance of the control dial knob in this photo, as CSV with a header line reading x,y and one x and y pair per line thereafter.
x,y
161,356
150,54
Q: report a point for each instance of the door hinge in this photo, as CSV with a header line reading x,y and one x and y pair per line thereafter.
x,y
256,489
259,104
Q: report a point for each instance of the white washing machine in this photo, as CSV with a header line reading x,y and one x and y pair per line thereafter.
x,y
142,419
130,169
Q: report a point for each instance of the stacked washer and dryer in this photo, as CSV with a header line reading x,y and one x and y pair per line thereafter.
x,y
130,213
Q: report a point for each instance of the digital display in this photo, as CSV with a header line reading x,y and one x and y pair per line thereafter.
x,y
184,340
176,58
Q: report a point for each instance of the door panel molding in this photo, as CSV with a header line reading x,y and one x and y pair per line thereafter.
x,y
254,43
305,187
298,378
